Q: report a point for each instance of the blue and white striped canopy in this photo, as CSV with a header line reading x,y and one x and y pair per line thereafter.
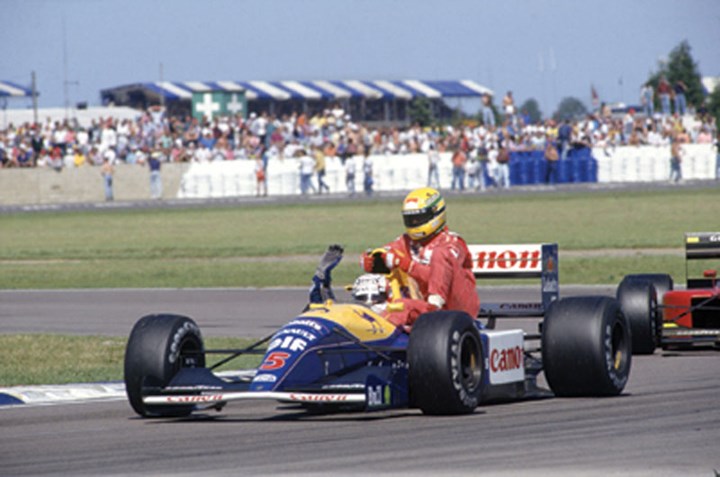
x,y
8,88
321,89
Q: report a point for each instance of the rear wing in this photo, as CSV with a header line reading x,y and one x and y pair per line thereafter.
x,y
518,261
700,246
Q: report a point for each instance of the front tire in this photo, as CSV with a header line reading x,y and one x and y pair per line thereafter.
x,y
445,363
586,348
159,345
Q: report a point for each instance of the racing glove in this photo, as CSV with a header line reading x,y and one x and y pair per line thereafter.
x,y
321,291
367,260
395,258
329,260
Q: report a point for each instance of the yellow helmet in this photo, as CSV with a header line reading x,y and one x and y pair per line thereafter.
x,y
423,213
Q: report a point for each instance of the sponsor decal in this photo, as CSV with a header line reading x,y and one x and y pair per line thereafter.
x,y
507,258
289,342
298,332
694,332
375,327
351,386
265,378
199,387
520,306
506,359
309,323
379,396
275,360
550,286
411,200
550,264
195,399
506,356
318,397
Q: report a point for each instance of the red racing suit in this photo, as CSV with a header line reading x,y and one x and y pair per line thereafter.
x,y
442,266
412,309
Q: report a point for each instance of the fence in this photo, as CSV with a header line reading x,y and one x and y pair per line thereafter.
x,y
390,173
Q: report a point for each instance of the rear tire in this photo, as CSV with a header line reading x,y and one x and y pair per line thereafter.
x,y
159,345
586,348
638,301
445,363
662,282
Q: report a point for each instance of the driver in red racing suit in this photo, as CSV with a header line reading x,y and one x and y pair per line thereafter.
x,y
437,259
370,289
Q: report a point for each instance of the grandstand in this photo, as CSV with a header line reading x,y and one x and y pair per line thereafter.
x,y
367,101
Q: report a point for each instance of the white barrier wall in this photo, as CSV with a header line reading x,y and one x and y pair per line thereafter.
x,y
404,172
652,163
237,178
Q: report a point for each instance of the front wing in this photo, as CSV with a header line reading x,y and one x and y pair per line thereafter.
x,y
370,388
217,397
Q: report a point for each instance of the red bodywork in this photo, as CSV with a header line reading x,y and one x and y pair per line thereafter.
x,y
677,307
692,315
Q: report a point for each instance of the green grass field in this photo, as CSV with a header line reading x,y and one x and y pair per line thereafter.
x,y
74,359
608,234
275,245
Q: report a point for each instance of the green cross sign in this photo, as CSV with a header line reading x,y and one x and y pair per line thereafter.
x,y
209,104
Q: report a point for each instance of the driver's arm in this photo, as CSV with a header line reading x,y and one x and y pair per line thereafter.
x,y
321,290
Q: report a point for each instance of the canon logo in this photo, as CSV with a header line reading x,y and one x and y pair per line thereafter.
x,y
507,260
506,359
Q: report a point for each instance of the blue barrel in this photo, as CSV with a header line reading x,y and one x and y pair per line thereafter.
x,y
565,171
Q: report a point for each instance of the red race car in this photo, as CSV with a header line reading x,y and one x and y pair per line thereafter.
x,y
662,316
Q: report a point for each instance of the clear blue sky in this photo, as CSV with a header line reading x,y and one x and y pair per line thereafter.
x,y
542,49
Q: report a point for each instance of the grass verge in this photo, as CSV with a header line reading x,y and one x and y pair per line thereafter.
x,y
59,359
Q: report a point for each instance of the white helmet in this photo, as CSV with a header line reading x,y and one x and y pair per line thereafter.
x,y
370,289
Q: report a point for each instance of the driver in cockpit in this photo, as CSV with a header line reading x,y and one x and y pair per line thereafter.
x,y
369,289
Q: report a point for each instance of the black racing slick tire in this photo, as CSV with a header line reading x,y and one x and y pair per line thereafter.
x,y
662,282
159,345
638,301
445,365
586,349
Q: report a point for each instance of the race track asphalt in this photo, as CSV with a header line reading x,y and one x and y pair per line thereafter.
x,y
666,423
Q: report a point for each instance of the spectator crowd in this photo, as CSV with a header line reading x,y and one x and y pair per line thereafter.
x,y
333,133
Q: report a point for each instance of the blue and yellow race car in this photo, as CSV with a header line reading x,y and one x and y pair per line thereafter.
x,y
348,356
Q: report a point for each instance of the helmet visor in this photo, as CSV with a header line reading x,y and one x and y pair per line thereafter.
x,y
414,218
370,289
370,298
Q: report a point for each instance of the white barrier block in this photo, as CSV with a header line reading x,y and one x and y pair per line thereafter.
x,y
652,163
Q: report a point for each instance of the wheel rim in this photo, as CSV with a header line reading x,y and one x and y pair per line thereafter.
x,y
190,355
618,347
655,317
470,362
